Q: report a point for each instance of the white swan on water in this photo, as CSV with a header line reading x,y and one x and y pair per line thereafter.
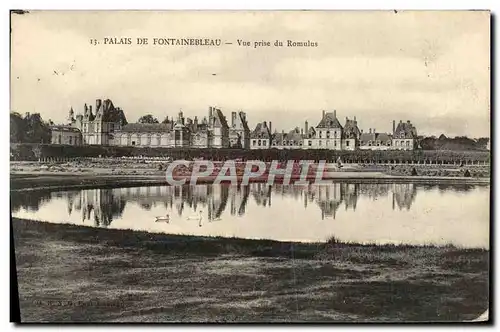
x,y
163,218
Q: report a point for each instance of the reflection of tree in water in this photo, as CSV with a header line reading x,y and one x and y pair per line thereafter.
x,y
29,200
462,187
456,187
374,190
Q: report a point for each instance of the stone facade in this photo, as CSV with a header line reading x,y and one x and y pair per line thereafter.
x,y
65,135
404,136
260,138
328,134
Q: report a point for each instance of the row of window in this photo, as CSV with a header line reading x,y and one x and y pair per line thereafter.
x,y
328,134
97,127
258,142
290,143
389,143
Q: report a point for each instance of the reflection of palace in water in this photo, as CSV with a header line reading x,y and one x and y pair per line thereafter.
x,y
100,206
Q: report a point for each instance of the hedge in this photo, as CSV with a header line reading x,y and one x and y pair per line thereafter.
x,y
33,151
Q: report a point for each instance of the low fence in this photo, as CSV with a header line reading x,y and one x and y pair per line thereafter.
x,y
47,152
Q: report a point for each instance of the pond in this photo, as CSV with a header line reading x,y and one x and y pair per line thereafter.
x,y
401,213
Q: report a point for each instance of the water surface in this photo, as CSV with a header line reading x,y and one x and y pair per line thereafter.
x,y
364,213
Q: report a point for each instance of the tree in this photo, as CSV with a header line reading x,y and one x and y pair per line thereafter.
x,y
17,128
147,119
482,142
37,131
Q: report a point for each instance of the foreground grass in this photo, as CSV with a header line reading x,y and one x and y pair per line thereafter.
x,y
128,276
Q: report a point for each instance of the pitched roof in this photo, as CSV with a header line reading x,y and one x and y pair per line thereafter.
x,y
329,120
220,119
64,128
278,137
383,137
405,128
199,127
244,122
294,135
374,137
351,129
311,132
261,131
147,127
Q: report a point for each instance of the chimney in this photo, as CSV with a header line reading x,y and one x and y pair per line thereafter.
x,y
370,130
98,104
306,129
90,109
374,131
270,127
210,113
302,132
393,126
323,114
335,113
355,118
233,119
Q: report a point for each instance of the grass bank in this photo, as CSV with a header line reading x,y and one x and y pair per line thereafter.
x,y
75,273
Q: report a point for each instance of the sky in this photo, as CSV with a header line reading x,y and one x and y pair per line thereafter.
x,y
429,67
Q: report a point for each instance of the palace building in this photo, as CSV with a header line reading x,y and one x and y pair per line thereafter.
x,y
108,125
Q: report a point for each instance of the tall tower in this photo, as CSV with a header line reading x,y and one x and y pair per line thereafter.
x,y
71,115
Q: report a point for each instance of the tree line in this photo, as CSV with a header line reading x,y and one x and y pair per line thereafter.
x,y
455,143
29,128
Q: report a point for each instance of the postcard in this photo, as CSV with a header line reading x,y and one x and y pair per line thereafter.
x,y
250,166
